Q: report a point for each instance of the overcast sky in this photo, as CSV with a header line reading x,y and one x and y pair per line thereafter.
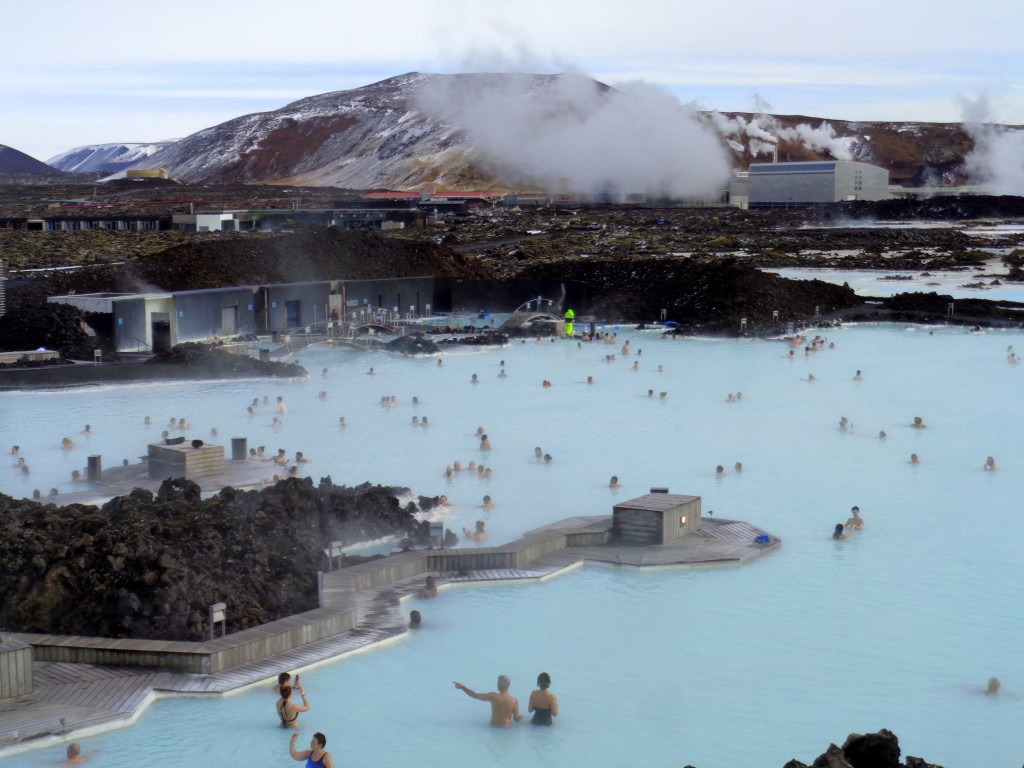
x,y
74,73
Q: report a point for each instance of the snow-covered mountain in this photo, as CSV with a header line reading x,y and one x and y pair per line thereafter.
x,y
556,132
106,158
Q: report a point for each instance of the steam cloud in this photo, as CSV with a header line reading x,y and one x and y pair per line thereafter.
x,y
762,133
569,133
996,164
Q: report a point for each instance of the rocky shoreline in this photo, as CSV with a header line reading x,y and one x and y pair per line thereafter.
x,y
148,565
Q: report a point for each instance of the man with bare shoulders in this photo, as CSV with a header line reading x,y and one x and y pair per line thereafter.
x,y
504,707
856,522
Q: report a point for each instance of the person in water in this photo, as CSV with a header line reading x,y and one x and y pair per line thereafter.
x,y
914,459
919,423
855,522
838,532
614,482
994,686
990,465
316,756
283,679
488,504
543,703
504,707
286,710
415,620
479,534
429,588
74,755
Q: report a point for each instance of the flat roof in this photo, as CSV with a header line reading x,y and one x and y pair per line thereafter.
x,y
656,502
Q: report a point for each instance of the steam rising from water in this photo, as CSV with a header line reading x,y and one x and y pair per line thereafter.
x,y
996,164
569,133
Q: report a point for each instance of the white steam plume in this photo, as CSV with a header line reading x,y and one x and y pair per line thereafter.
x,y
996,164
569,133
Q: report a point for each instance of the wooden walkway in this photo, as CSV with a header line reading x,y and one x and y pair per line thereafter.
x,y
76,699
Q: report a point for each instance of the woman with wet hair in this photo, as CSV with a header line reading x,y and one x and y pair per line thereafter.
x,y
316,756
543,703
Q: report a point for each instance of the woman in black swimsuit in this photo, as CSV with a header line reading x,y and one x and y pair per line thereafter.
x,y
543,703
288,712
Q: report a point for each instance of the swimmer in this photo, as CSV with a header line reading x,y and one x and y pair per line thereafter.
x,y
370,372
546,383
276,422
661,369
590,379
323,372
341,421
855,521
663,395
173,423
858,377
990,465
424,422
538,452
993,687
165,434
636,365
457,466
415,400
54,492
738,467
502,374
439,362
182,424
19,463
415,421
37,494
293,472
478,534
731,398
74,755
66,444
429,588
720,471
838,532
485,472
882,435
488,504
919,423
914,459
252,455
76,476
322,395
316,756
614,482
87,430
475,379
504,708
281,458
266,399
448,471
213,431
283,679
650,393
15,449
286,710
543,703
844,425
300,458
547,458
443,501
281,406
810,377
485,443
739,396
415,620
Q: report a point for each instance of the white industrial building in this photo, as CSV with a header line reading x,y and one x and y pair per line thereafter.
x,y
818,182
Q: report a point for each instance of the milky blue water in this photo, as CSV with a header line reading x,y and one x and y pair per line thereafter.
x,y
898,627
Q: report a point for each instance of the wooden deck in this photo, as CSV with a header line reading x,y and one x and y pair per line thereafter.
x,y
75,699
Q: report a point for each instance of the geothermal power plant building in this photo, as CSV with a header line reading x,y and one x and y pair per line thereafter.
x,y
819,182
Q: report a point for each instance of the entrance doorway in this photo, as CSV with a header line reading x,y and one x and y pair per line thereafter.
x,y
160,329
293,314
229,320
